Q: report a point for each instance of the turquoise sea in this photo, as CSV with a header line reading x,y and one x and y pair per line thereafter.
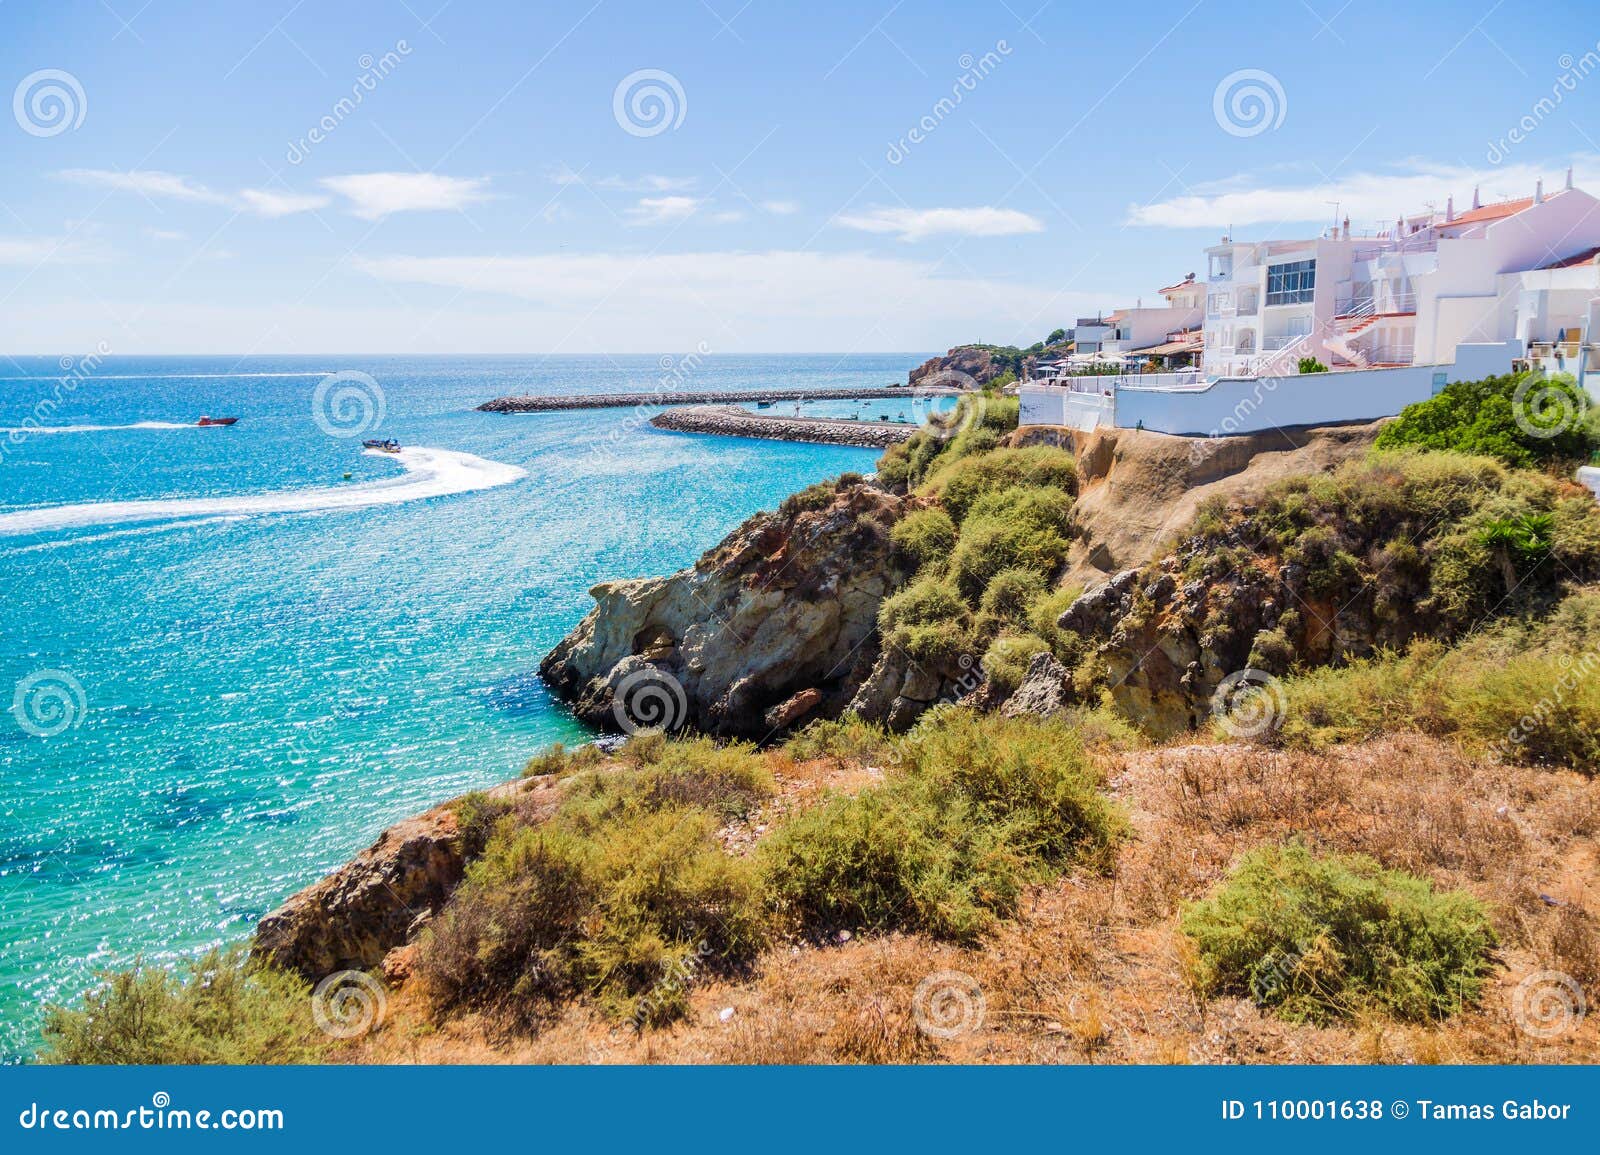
x,y
238,664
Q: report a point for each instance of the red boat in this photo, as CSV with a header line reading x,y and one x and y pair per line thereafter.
x,y
205,421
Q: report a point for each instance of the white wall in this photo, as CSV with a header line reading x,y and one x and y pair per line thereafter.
x,y
1052,405
1249,405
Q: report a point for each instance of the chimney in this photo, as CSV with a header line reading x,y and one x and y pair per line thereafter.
x,y
1476,203
1449,208
1538,192
1569,176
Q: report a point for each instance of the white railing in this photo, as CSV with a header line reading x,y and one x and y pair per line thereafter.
x,y
1281,341
1380,303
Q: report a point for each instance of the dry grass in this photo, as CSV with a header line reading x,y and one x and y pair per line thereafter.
x,y
1093,969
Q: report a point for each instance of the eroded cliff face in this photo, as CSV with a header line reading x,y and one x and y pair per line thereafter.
x,y
383,898
777,625
773,627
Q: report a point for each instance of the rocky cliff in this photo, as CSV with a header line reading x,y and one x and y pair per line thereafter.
x,y
772,627
382,898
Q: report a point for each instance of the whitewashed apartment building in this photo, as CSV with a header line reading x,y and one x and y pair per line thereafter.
x,y
1436,297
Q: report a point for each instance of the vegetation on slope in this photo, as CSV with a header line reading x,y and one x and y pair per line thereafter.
x,y
976,808
985,555
1521,419
625,884
216,1009
1323,938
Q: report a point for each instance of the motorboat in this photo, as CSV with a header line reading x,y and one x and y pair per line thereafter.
x,y
207,422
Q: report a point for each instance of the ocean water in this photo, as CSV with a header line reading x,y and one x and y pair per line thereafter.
x,y
232,655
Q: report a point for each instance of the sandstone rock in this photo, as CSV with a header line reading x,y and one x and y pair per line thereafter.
x,y
786,714
786,604
1043,691
355,916
385,896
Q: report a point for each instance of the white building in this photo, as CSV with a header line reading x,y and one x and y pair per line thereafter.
x,y
1437,297
1127,331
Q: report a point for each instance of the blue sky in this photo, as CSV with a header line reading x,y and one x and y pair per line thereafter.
x,y
494,189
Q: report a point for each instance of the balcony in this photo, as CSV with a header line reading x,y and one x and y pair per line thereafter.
x,y
1383,303
1281,341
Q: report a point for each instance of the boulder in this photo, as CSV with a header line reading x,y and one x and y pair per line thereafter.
x,y
1043,692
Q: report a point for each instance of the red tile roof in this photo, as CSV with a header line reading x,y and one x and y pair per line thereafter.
x,y
1187,282
1492,212
1587,257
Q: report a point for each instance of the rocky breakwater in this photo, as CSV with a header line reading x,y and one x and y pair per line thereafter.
x,y
533,403
774,627
729,421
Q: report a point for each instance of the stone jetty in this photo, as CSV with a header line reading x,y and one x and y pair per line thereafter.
x,y
728,421
551,403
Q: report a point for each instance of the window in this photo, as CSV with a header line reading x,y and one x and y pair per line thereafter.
x,y
1292,283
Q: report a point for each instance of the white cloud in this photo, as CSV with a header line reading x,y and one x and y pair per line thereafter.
x,y
377,194
148,182
662,210
166,234
916,224
1369,199
649,182
270,203
784,299
780,208
31,251
574,302
153,183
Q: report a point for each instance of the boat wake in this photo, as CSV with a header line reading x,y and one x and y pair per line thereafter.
x,y
428,473
30,429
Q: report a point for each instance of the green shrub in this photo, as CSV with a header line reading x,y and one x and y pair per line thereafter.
x,y
623,896
962,482
978,806
1310,365
846,738
1014,528
923,537
1006,660
1011,595
1325,938
217,1009
1482,417
928,620
556,759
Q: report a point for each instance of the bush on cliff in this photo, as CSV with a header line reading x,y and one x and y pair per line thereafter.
x,y
1525,691
924,537
1325,938
623,896
977,807
1523,420
1400,545
216,1009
